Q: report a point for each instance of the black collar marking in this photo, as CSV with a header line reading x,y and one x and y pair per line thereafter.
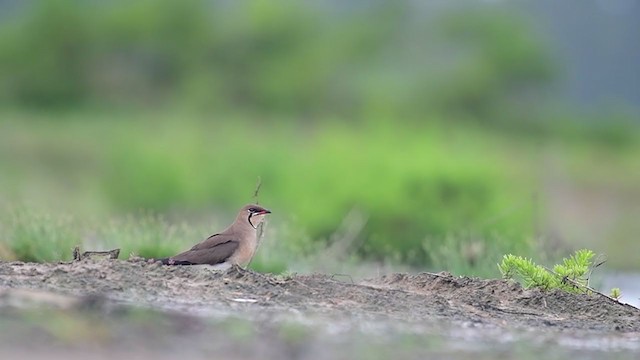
x,y
249,219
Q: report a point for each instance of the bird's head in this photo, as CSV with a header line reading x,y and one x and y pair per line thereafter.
x,y
254,214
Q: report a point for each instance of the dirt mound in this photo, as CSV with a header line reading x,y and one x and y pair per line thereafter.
x,y
506,302
422,298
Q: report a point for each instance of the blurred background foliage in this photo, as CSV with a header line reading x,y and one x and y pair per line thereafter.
x,y
439,126
276,58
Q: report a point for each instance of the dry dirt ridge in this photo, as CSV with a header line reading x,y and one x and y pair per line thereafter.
x,y
421,298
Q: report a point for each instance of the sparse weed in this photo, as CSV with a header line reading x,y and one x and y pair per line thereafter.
x,y
146,235
616,293
33,236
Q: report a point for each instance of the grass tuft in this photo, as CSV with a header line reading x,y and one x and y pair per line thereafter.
x,y
38,237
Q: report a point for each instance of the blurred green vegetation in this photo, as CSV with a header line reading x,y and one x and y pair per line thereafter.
x,y
430,127
439,195
410,183
279,57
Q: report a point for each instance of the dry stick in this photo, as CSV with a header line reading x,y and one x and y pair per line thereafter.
x,y
333,276
260,228
593,267
578,285
77,256
301,283
255,193
255,197
436,274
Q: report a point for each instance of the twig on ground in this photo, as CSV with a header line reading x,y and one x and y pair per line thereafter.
x,y
437,274
111,254
601,259
581,286
344,275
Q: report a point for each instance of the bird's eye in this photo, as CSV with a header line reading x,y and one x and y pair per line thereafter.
x,y
253,210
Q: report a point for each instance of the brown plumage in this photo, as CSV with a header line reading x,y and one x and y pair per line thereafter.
x,y
236,245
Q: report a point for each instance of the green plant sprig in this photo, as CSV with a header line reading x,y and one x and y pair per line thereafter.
x,y
571,275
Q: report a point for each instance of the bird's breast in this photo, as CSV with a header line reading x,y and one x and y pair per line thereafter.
x,y
245,251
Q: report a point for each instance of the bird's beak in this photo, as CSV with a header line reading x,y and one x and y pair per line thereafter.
x,y
265,211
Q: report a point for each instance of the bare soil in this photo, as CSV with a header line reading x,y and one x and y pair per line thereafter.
x,y
197,311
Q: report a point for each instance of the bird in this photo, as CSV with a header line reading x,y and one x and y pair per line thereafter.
x,y
236,245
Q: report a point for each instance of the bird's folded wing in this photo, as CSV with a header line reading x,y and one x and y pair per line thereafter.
x,y
213,240
215,253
